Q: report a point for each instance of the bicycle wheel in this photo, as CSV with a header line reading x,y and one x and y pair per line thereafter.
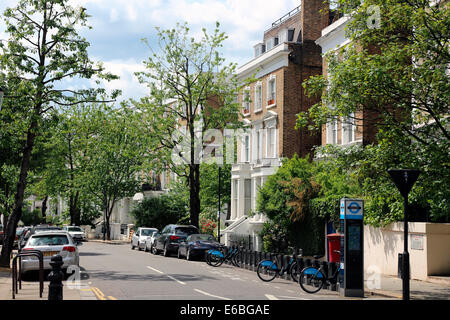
x,y
267,270
215,258
234,260
311,279
294,272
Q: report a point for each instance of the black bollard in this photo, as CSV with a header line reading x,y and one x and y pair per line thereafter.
x,y
56,276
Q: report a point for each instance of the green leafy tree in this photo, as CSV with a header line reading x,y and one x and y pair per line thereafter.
x,y
157,212
394,72
43,49
116,157
192,73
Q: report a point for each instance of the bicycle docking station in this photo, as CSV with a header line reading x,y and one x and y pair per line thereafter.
x,y
351,275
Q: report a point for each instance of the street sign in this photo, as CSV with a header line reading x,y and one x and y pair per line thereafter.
x,y
352,209
404,179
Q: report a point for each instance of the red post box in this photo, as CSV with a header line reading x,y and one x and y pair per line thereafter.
x,y
334,247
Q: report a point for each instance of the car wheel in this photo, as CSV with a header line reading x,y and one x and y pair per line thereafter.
x,y
188,255
166,251
154,250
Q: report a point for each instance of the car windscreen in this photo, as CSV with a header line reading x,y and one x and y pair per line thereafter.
x,y
75,229
147,232
49,240
185,231
203,237
46,229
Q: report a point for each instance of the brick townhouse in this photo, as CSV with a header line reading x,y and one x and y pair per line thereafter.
x,y
286,57
360,127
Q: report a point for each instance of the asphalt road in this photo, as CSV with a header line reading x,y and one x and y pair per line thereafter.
x,y
119,273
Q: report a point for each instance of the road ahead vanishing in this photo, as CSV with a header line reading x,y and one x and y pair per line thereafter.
x,y
115,272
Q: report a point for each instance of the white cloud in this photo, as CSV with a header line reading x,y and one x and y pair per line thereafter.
x,y
128,83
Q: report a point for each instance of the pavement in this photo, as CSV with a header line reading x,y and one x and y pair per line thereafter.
x,y
434,288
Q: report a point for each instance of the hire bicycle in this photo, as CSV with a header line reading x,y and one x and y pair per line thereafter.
x,y
216,257
312,279
267,270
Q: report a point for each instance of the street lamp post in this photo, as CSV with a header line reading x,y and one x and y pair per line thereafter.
x,y
404,179
218,213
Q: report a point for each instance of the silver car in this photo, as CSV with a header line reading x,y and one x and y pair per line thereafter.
x,y
150,240
51,243
77,233
140,236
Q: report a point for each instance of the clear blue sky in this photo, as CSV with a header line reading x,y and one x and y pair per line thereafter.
x,y
119,26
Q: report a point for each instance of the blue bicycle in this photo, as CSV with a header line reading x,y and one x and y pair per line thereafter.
x,y
216,257
313,279
267,270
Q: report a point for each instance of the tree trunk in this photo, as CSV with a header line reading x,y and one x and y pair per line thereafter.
x,y
194,194
10,230
44,209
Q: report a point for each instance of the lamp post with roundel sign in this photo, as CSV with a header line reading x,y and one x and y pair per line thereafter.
x,y
404,180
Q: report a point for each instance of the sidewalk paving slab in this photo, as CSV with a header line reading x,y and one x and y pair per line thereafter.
x,y
391,286
30,290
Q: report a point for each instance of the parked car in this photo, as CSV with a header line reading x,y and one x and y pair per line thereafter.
x,y
151,240
19,232
140,236
51,243
76,232
195,245
36,229
171,236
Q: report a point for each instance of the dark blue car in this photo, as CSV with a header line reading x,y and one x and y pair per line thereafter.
x,y
196,245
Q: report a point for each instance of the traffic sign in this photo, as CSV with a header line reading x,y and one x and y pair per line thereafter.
x,y
352,209
404,179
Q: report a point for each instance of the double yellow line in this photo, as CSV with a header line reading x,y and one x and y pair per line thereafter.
x,y
100,295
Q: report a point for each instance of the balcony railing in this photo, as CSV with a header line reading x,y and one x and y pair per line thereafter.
x,y
284,18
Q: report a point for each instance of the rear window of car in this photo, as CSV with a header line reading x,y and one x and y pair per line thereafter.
x,y
75,229
147,232
186,231
203,237
49,240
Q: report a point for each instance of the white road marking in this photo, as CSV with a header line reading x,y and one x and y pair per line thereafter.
x,y
156,270
296,298
160,272
180,282
211,295
271,297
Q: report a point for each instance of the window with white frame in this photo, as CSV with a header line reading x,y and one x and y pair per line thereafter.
x,y
258,144
246,101
270,43
247,196
247,148
271,142
332,132
258,96
348,129
235,196
271,91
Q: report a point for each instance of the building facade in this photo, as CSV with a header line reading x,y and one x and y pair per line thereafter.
x,y
358,128
287,56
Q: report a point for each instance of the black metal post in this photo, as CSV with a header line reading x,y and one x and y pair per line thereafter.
x,y
56,276
405,259
218,214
